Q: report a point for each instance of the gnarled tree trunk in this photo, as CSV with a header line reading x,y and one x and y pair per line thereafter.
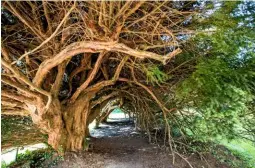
x,y
66,126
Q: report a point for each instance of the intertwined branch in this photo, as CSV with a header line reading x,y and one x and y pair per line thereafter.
x,y
65,50
43,43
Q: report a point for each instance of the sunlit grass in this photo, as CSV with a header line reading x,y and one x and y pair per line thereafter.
x,y
242,148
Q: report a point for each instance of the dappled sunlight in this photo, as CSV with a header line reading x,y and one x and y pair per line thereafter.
x,y
117,124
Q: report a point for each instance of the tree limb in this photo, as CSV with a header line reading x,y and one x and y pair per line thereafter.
x,y
95,47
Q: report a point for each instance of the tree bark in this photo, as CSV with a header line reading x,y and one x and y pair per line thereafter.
x,y
66,126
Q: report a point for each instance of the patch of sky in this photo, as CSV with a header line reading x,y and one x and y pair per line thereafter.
x,y
246,9
216,6
183,37
166,38
246,53
212,6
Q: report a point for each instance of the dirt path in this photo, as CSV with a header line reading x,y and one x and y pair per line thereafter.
x,y
125,148
119,153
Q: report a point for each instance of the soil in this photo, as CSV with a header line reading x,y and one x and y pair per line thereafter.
x,y
118,145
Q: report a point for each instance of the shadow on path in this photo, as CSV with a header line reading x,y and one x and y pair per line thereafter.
x,y
118,145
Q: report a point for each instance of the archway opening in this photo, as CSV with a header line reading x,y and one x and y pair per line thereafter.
x,y
116,123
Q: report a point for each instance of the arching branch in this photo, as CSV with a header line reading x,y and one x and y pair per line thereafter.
x,y
95,47
49,38
24,19
17,97
58,81
24,79
150,92
90,77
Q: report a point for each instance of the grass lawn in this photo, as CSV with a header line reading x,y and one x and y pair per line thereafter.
x,y
242,148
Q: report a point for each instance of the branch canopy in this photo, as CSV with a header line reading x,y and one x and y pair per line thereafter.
x,y
96,47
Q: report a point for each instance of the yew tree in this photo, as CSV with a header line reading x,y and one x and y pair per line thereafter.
x,y
63,61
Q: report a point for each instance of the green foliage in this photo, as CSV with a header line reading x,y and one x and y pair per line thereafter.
x,y
243,149
36,159
221,88
3,165
10,124
154,74
235,154
175,131
19,131
213,90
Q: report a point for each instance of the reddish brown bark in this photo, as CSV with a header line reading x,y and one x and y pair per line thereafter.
x,y
66,126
